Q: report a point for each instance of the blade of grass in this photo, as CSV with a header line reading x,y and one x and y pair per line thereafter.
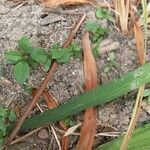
x,y
139,141
90,74
100,95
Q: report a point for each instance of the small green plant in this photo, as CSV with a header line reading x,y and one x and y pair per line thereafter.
x,y
112,62
147,95
69,122
7,117
102,13
98,33
28,57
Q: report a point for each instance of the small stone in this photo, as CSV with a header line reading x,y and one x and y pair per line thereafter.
x,y
43,134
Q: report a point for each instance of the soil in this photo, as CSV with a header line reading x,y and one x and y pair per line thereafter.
x,y
45,26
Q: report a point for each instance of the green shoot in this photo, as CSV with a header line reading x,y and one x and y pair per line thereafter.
x,y
28,58
7,117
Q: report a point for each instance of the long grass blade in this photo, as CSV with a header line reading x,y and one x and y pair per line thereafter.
x,y
100,95
139,141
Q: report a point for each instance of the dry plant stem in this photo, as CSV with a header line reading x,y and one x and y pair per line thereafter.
x,y
55,3
25,136
122,7
89,125
136,111
134,118
43,85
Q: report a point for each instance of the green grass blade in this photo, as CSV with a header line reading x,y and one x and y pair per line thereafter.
x,y
139,140
100,95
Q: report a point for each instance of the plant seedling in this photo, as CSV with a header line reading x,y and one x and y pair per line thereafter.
x,y
147,94
112,62
98,33
6,118
102,13
28,57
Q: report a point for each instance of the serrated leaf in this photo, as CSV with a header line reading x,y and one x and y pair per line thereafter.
x,y
21,72
39,55
47,65
13,56
25,45
92,26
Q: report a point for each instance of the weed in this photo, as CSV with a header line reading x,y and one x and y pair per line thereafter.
x,y
98,33
102,13
147,94
7,117
28,58
69,122
112,62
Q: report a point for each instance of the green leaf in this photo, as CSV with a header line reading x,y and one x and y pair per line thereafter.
x,y
99,96
56,54
111,57
27,88
103,13
139,140
75,50
146,92
39,55
65,58
12,116
2,127
61,55
13,56
56,46
102,32
92,26
3,112
21,72
25,45
47,65
106,68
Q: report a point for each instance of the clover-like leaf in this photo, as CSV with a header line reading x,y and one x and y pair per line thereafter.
x,y
21,72
39,55
25,45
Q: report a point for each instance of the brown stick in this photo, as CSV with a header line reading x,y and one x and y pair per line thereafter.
x,y
43,85
90,74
